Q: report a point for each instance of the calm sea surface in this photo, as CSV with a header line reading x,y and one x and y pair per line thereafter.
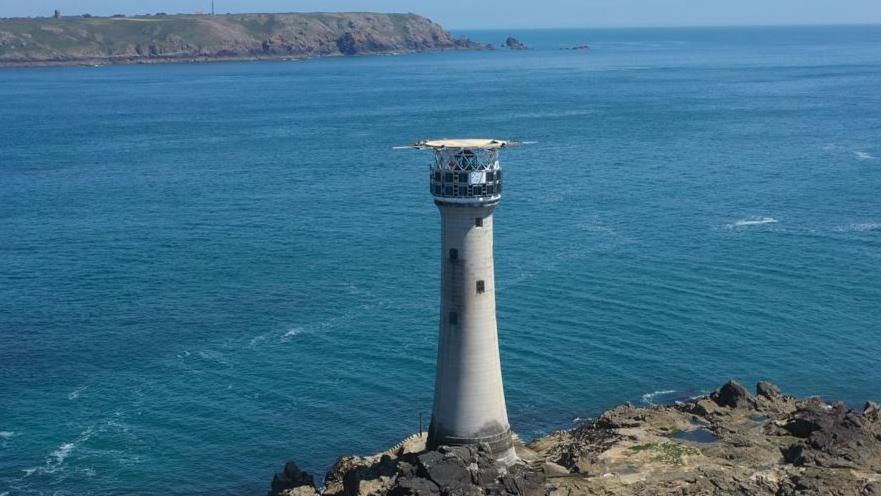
x,y
207,270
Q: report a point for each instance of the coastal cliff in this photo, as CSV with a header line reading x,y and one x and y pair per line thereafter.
x,y
189,38
730,442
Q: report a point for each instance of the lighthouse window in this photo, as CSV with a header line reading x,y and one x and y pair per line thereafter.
x,y
448,177
454,318
481,286
437,189
478,222
490,189
454,254
448,190
489,176
463,178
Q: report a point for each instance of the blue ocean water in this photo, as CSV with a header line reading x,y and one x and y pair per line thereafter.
x,y
207,270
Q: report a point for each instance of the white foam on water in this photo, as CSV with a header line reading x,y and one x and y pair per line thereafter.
x,y
864,156
76,392
62,452
755,221
257,340
55,460
6,435
292,333
649,398
866,226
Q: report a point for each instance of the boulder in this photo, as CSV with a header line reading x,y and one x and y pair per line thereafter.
x,y
702,407
731,395
291,478
446,467
835,437
768,390
415,486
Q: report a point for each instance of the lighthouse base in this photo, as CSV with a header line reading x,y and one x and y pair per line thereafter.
x,y
501,445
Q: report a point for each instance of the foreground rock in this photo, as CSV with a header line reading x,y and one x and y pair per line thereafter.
x,y
730,442
184,38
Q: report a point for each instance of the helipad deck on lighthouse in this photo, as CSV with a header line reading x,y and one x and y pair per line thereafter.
x,y
465,180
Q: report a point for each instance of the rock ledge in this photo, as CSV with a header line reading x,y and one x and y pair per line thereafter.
x,y
729,442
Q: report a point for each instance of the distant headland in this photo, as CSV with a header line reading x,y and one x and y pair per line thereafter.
x,y
88,40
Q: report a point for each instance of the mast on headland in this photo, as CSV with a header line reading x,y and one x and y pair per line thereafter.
x,y
469,399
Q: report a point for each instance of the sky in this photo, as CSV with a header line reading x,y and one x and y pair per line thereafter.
x,y
474,14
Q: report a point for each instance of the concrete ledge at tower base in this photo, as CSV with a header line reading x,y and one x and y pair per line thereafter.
x,y
500,445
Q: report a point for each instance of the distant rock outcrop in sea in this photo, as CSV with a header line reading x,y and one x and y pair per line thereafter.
x,y
515,44
182,38
729,442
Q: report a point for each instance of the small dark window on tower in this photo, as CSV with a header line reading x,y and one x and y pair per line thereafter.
x,y
481,286
437,176
454,318
454,254
489,176
478,221
448,177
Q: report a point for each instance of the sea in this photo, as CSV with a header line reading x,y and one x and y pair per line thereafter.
x,y
207,270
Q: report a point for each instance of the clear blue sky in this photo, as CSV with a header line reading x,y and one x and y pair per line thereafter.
x,y
458,14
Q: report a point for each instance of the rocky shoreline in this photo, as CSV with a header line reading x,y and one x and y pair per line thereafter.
x,y
729,442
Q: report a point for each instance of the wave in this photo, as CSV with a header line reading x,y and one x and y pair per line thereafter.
x,y
55,459
859,227
864,156
866,226
649,398
755,221
292,332
76,392
6,434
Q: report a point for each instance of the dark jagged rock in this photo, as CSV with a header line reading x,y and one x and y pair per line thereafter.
x,y
835,437
768,390
732,395
515,44
290,478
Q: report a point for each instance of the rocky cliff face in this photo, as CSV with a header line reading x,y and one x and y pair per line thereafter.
x,y
200,37
730,442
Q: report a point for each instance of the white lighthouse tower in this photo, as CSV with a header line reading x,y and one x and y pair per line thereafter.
x,y
469,400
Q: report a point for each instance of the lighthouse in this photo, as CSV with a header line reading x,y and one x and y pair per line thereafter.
x,y
469,400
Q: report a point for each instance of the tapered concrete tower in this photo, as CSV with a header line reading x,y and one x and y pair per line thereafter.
x,y
469,400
